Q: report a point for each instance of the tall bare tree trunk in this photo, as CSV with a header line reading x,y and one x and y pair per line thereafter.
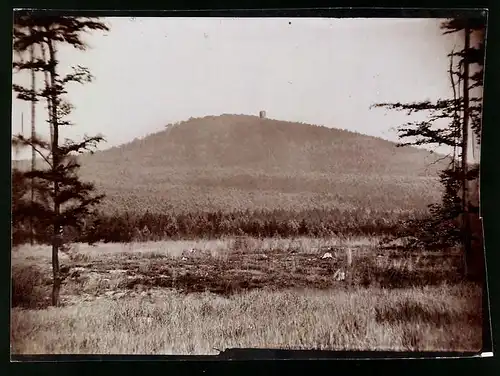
x,y
465,144
56,235
44,57
33,155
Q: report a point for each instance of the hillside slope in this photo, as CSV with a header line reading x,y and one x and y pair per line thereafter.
x,y
248,142
243,162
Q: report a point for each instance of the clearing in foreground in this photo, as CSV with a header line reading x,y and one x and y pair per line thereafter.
x,y
155,298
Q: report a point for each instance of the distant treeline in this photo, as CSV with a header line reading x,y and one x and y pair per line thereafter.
x,y
127,227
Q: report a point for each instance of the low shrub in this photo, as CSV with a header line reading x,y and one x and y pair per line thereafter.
x,y
30,288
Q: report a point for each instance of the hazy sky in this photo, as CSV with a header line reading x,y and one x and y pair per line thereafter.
x,y
153,71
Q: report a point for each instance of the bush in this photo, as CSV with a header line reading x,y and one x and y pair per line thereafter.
x,y
29,289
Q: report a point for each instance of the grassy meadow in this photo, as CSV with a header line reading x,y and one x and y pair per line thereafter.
x,y
203,296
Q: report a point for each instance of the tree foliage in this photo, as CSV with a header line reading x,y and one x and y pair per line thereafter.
x,y
321,223
63,200
444,125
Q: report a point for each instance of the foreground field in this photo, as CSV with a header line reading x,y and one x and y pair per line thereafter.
x,y
162,298
167,322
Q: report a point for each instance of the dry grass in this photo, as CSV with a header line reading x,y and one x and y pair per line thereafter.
x,y
157,298
175,248
231,265
167,322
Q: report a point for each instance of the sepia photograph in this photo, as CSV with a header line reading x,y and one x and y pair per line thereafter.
x,y
196,185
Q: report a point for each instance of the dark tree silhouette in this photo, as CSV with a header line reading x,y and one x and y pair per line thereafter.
x,y
449,123
70,199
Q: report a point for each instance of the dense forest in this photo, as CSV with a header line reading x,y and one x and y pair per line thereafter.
x,y
236,163
242,175
126,226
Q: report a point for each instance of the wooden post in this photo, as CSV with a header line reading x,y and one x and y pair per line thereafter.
x,y
349,265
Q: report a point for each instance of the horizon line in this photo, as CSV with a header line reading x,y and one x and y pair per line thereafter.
x,y
180,122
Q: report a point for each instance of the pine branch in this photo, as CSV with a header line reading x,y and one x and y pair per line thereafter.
x,y
440,160
71,216
80,75
88,144
63,29
20,140
426,135
45,175
459,24
53,91
472,55
71,166
25,94
442,104
23,39
75,190
25,209
38,64
63,110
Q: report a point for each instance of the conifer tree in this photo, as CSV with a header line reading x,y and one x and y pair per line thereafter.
x,y
449,123
69,199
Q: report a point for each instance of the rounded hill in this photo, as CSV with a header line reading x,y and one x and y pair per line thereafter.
x,y
239,162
